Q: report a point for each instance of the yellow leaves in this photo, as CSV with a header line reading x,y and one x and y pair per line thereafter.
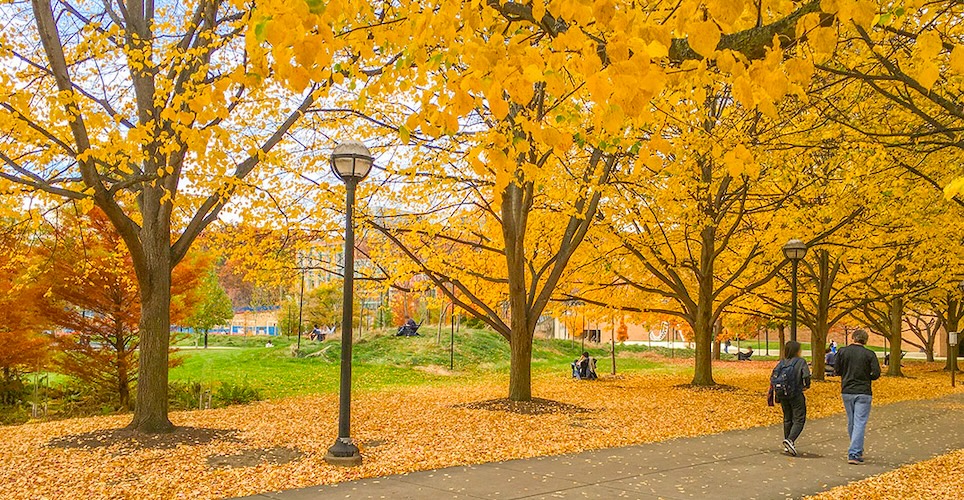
x,y
703,37
599,87
185,117
604,10
928,45
937,477
806,24
927,74
538,9
799,70
497,105
956,61
613,120
739,161
656,49
726,12
861,12
954,188
823,42
830,6
926,51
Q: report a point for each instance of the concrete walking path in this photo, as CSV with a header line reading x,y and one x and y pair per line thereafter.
x,y
736,464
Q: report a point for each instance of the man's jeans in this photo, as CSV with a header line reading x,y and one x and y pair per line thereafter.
x,y
858,412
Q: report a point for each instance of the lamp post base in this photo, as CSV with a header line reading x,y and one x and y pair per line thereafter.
x,y
343,453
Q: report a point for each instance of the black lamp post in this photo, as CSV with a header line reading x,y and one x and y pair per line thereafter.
x,y
351,162
794,250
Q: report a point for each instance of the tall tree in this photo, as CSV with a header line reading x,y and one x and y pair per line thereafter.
x,y
121,105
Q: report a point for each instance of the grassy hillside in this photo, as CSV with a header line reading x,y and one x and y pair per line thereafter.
x,y
380,361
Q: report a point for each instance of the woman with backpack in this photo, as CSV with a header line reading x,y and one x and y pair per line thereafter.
x,y
789,379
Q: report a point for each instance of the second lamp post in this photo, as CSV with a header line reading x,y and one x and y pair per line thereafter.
x,y
794,250
351,162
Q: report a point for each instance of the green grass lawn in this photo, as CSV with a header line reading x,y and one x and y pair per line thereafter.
x,y
381,361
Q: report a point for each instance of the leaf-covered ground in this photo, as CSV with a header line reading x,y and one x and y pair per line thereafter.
x,y
939,477
402,430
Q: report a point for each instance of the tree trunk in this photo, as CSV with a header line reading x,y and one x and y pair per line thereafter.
x,y
703,330
821,330
123,385
121,363
896,316
703,335
514,218
206,337
123,378
782,332
953,319
150,411
929,352
818,351
717,344
520,371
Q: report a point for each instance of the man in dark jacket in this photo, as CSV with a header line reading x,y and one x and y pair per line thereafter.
x,y
857,367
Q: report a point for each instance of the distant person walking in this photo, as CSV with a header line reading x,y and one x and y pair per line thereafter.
x,y
857,367
726,346
833,346
789,379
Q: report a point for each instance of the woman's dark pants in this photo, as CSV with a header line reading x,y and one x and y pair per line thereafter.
x,y
794,416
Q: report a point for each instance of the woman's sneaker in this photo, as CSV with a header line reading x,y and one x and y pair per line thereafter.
x,y
789,447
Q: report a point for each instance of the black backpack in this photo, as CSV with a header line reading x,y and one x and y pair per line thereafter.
x,y
783,380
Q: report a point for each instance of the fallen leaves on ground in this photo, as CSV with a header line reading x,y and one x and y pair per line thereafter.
x,y
406,430
939,477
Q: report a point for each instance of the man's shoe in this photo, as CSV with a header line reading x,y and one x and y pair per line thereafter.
x,y
789,447
854,460
860,459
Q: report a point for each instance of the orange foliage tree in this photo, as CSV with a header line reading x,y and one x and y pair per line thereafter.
x,y
93,295
22,344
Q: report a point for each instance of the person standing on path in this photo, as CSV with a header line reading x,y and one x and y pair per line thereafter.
x,y
789,379
858,368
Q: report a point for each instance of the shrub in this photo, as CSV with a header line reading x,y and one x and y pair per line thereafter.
x,y
475,323
12,391
78,399
235,394
186,395
14,415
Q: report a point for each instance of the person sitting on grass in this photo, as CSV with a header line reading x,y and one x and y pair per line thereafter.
x,y
316,333
584,368
828,362
408,329
744,356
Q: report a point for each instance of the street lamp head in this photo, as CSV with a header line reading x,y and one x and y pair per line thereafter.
x,y
351,160
795,249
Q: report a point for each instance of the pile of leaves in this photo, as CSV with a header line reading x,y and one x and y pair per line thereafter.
x,y
401,430
939,477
